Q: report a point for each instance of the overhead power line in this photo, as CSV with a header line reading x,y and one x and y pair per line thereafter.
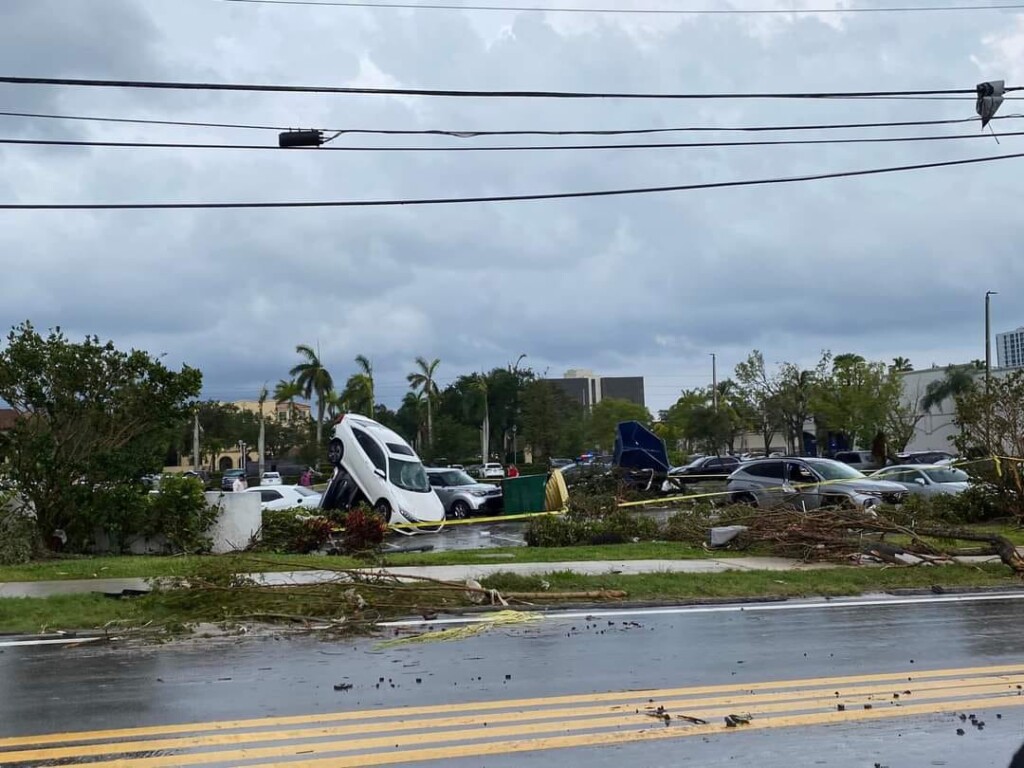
x,y
468,134
640,11
504,198
506,148
353,90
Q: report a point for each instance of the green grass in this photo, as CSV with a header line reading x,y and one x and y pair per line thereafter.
x,y
177,608
88,611
832,582
153,566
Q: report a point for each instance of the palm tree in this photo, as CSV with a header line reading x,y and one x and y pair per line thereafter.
x,y
366,371
959,380
481,385
423,381
313,378
901,365
286,391
261,443
336,403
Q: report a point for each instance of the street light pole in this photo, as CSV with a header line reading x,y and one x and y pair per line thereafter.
x,y
714,380
988,341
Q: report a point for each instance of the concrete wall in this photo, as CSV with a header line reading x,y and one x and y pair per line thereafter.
x,y
238,522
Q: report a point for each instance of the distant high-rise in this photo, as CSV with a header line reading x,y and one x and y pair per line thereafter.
x,y
1010,349
589,389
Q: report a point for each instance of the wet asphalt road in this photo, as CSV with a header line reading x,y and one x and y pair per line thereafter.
x,y
929,651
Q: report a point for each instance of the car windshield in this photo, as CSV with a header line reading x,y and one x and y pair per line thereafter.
x,y
409,475
946,475
456,477
304,491
834,470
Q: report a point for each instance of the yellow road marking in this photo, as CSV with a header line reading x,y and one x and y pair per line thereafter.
x,y
554,721
917,677
657,734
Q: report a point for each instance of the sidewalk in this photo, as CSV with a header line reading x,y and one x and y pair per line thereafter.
x,y
455,573
442,572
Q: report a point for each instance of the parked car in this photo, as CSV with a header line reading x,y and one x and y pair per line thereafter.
x,y
286,497
705,468
492,469
862,460
456,466
227,482
926,479
809,483
462,495
926,457
270,478
199,474
560,463
386,470
574,473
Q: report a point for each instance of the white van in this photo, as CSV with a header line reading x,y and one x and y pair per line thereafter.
x,y
386,470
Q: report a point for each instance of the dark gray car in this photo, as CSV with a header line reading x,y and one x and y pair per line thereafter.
x,y
809,483
462,495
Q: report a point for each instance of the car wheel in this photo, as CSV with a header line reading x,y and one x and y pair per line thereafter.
x,y
383,508
745,498
460,509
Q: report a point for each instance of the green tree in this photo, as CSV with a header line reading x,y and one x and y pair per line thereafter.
x,y
781,400
315,379
423,381
606,415
91,416
854,397
552,422
901,365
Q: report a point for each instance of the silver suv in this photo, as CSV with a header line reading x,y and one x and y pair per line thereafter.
x,y
809,483
462,495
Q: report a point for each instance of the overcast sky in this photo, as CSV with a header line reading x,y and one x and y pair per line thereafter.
x,y
645,285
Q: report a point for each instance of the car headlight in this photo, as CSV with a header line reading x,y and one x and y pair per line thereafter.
x,y
479,493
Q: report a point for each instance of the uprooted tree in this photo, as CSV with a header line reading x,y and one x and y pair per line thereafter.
x,y
90,418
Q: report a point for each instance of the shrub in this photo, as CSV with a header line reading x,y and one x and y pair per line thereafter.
x,y
181,514
364,530
981,502
294,531
123,511
590,522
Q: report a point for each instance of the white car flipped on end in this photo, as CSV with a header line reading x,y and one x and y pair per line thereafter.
x,y
493,470
271,478
387,471
286,496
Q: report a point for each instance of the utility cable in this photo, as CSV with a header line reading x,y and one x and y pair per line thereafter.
x,y
639,11
506,148
468,134
504,198
351,90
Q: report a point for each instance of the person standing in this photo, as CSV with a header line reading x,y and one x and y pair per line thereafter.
x,y
513,470
239,485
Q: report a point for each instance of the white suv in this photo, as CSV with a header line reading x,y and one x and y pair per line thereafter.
x,y
388,473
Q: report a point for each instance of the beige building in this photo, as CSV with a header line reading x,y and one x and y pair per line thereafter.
x,y
282,413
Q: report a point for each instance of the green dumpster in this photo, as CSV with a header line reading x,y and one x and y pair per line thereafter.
x,y
524,494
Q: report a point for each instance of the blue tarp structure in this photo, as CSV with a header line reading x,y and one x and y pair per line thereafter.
x,y
636,447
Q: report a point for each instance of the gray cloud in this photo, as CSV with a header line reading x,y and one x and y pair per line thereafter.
x,y
650,285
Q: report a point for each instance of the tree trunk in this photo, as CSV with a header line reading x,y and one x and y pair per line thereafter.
x,y
430,423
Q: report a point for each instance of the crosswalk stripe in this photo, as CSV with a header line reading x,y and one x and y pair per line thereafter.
x,y
918,677
566,721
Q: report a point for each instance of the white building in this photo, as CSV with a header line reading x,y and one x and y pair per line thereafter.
x,y
936,430
1010,349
